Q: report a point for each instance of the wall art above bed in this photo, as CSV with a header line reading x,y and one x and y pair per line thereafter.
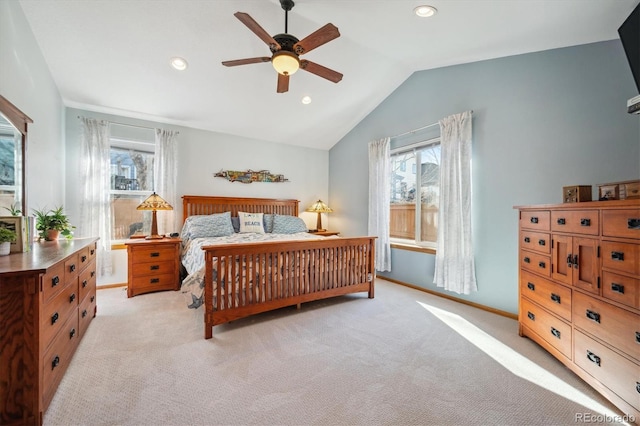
x,y
249,176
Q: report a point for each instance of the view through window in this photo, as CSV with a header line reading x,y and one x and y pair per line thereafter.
x,y
10,167
415,185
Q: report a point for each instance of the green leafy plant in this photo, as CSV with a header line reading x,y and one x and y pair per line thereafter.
x,y
7,235
53,219
14,209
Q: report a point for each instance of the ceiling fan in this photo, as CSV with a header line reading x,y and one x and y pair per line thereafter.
x,y
286,49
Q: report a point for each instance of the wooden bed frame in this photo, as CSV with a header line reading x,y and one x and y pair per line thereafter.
x,y
300,271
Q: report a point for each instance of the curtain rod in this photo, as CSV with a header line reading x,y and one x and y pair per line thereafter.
x,y
416,130
129,125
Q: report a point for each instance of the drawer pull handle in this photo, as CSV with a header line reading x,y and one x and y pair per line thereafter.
x,y
617,255
542,243
555,332
84,283
83,259
633,223
93,273
55,281
154,280
526,260
562,221
569,260
638,387
637,336
618,288
72,333
55,362
593,358
534,220
575,261
531,286
531,316
527,239
154,267
54,318
593,316
154,254
92,252
72,298
585,222
93,298
555,298
542,265
72,267
84,313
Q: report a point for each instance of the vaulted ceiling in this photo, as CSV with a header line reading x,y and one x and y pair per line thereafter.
x,y
113,56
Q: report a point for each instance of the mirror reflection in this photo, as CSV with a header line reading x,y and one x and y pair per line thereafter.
x,y
11,172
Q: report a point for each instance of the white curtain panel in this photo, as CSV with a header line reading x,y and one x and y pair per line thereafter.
x,y
95,207
380,200
166,173
455,266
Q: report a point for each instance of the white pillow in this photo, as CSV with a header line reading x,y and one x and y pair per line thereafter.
x,y
251,222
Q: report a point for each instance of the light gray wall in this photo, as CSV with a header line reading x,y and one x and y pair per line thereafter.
x,y
541,121
26,82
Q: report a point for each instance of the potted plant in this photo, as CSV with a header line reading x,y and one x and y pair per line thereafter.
x,y
14,209
7,236
51,223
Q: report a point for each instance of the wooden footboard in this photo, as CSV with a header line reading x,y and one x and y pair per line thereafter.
x,y
243,280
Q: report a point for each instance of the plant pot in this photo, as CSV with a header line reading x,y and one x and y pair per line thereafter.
x,y
51,234
5,248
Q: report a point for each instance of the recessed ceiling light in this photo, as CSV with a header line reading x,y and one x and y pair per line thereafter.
x,y
425,11
306,100
179,63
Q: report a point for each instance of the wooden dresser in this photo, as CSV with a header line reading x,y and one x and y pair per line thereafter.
x,y
47,300
579,291
154,265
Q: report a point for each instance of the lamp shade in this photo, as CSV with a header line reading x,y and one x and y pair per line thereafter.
x,y
154,203
319,207
285,62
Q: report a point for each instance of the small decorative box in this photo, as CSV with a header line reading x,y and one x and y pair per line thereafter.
x,y
576,193
619,190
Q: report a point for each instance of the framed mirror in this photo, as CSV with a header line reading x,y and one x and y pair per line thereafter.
x,y
13,140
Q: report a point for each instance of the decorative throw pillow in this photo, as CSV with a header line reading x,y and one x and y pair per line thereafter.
x,y
213,225
268,222
283,224
251,222
235,221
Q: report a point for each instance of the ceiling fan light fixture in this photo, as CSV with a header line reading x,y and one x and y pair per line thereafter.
x,y
285,62
425,11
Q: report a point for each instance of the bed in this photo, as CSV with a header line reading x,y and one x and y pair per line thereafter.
x,y
239,276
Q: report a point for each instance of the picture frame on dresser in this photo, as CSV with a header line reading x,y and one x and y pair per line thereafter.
x,y
17,224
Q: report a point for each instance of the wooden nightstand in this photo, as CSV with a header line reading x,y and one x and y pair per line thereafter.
x,y
154,265
324,233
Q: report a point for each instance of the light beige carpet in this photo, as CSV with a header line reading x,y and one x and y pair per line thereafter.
x,y
403,358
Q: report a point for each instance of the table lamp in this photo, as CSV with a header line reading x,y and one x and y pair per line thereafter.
x,y
319,207
154,203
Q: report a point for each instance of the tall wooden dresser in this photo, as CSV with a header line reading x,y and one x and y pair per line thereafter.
x,y
579,291
47,300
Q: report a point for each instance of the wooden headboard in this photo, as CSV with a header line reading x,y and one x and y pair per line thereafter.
x,y
199,204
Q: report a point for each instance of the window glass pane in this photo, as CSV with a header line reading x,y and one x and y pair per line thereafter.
x,y
429,192
10,168
403,192
128,221
131,170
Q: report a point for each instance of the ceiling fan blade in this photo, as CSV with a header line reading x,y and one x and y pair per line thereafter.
x,y
316,39
258,30
321,71
245,61
283,83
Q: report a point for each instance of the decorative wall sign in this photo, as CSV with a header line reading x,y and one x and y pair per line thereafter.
x,y
249,176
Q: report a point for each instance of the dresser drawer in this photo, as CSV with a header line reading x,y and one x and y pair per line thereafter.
x,y
535,262
87,310
554,297
553,330
576,221
621,223
154,254
536,241
617,373
87,280
71,268
623,257
57,357
56,312
536,220
616,326
622,289
53,282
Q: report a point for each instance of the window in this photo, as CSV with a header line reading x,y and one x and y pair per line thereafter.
x,y
10,166
131,182
415,192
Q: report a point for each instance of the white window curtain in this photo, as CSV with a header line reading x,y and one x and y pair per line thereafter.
x,y
380,200
95,207
455,266
166,172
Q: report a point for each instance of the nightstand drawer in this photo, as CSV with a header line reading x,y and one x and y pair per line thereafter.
x,y
154,283
154,254
153,268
